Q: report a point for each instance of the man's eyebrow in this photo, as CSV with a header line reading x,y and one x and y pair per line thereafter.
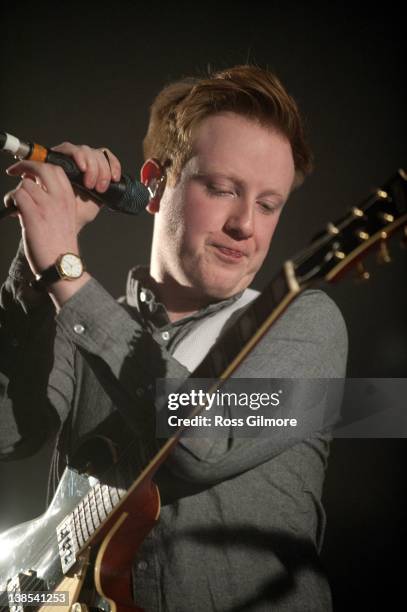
x,y
230,177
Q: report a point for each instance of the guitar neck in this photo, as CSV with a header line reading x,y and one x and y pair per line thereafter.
x,y
80,526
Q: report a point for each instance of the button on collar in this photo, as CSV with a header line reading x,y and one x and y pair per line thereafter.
x,y
142,565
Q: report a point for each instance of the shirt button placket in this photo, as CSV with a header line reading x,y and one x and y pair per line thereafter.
x,y
142,566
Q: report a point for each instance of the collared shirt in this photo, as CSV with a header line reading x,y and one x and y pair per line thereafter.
x,y
154,315
240,526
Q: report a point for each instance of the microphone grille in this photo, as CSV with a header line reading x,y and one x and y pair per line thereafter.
x,y
134,198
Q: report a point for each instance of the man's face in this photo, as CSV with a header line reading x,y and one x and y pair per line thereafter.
x,y
214,227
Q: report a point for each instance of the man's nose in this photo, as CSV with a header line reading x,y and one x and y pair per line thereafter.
x,y
240,221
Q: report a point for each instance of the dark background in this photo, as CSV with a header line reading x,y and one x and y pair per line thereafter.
x,y
87,73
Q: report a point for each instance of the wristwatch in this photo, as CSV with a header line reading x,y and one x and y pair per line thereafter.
x,y
67,267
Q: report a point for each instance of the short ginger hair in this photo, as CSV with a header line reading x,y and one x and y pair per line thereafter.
x,y
247,90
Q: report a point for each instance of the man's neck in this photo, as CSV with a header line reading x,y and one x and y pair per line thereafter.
x,y
179,302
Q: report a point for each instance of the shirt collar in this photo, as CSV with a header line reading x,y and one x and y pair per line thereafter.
x,y
140,295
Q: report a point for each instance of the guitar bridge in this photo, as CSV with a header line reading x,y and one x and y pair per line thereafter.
x,y
19,587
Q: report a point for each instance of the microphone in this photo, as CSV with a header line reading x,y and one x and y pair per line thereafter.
x,y
127,195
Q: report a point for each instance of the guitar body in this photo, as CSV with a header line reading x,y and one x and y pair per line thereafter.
x,y
113,563
33,545
30,555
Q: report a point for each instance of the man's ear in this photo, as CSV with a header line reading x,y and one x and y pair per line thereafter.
x,y
153,176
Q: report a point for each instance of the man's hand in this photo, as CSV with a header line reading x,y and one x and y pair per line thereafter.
x,y
99,167
50,213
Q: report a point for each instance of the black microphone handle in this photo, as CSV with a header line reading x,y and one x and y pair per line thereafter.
x,y
126,196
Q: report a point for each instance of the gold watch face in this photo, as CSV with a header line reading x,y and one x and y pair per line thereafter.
x,y
70,266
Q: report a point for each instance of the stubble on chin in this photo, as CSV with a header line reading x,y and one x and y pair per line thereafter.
x,y
217,281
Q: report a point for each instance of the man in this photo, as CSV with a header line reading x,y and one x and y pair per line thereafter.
x,y
241,521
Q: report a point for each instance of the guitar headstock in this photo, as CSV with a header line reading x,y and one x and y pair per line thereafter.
x,y
346,241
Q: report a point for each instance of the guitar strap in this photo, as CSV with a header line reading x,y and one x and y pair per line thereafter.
x,y
195,346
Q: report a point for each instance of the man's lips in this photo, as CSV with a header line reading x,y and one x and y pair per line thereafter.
x,y
230,252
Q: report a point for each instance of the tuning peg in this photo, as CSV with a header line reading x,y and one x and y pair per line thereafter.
x,y
338,254
383,195
362,274
387,217
383,255
362,235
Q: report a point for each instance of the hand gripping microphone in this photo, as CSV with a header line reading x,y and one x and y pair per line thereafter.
x,y
126,196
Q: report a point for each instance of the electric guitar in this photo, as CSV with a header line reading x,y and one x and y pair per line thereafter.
x,y
92,529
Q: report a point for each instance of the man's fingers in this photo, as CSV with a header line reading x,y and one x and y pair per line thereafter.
x,y
9,202
26,186
84,157
31,169
23,201
114,164
99,167
105,175
36,191
49,176
94,163
32,177
91,175
73,151
8,199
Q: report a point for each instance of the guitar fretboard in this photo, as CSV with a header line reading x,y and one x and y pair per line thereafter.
x,y
78,527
